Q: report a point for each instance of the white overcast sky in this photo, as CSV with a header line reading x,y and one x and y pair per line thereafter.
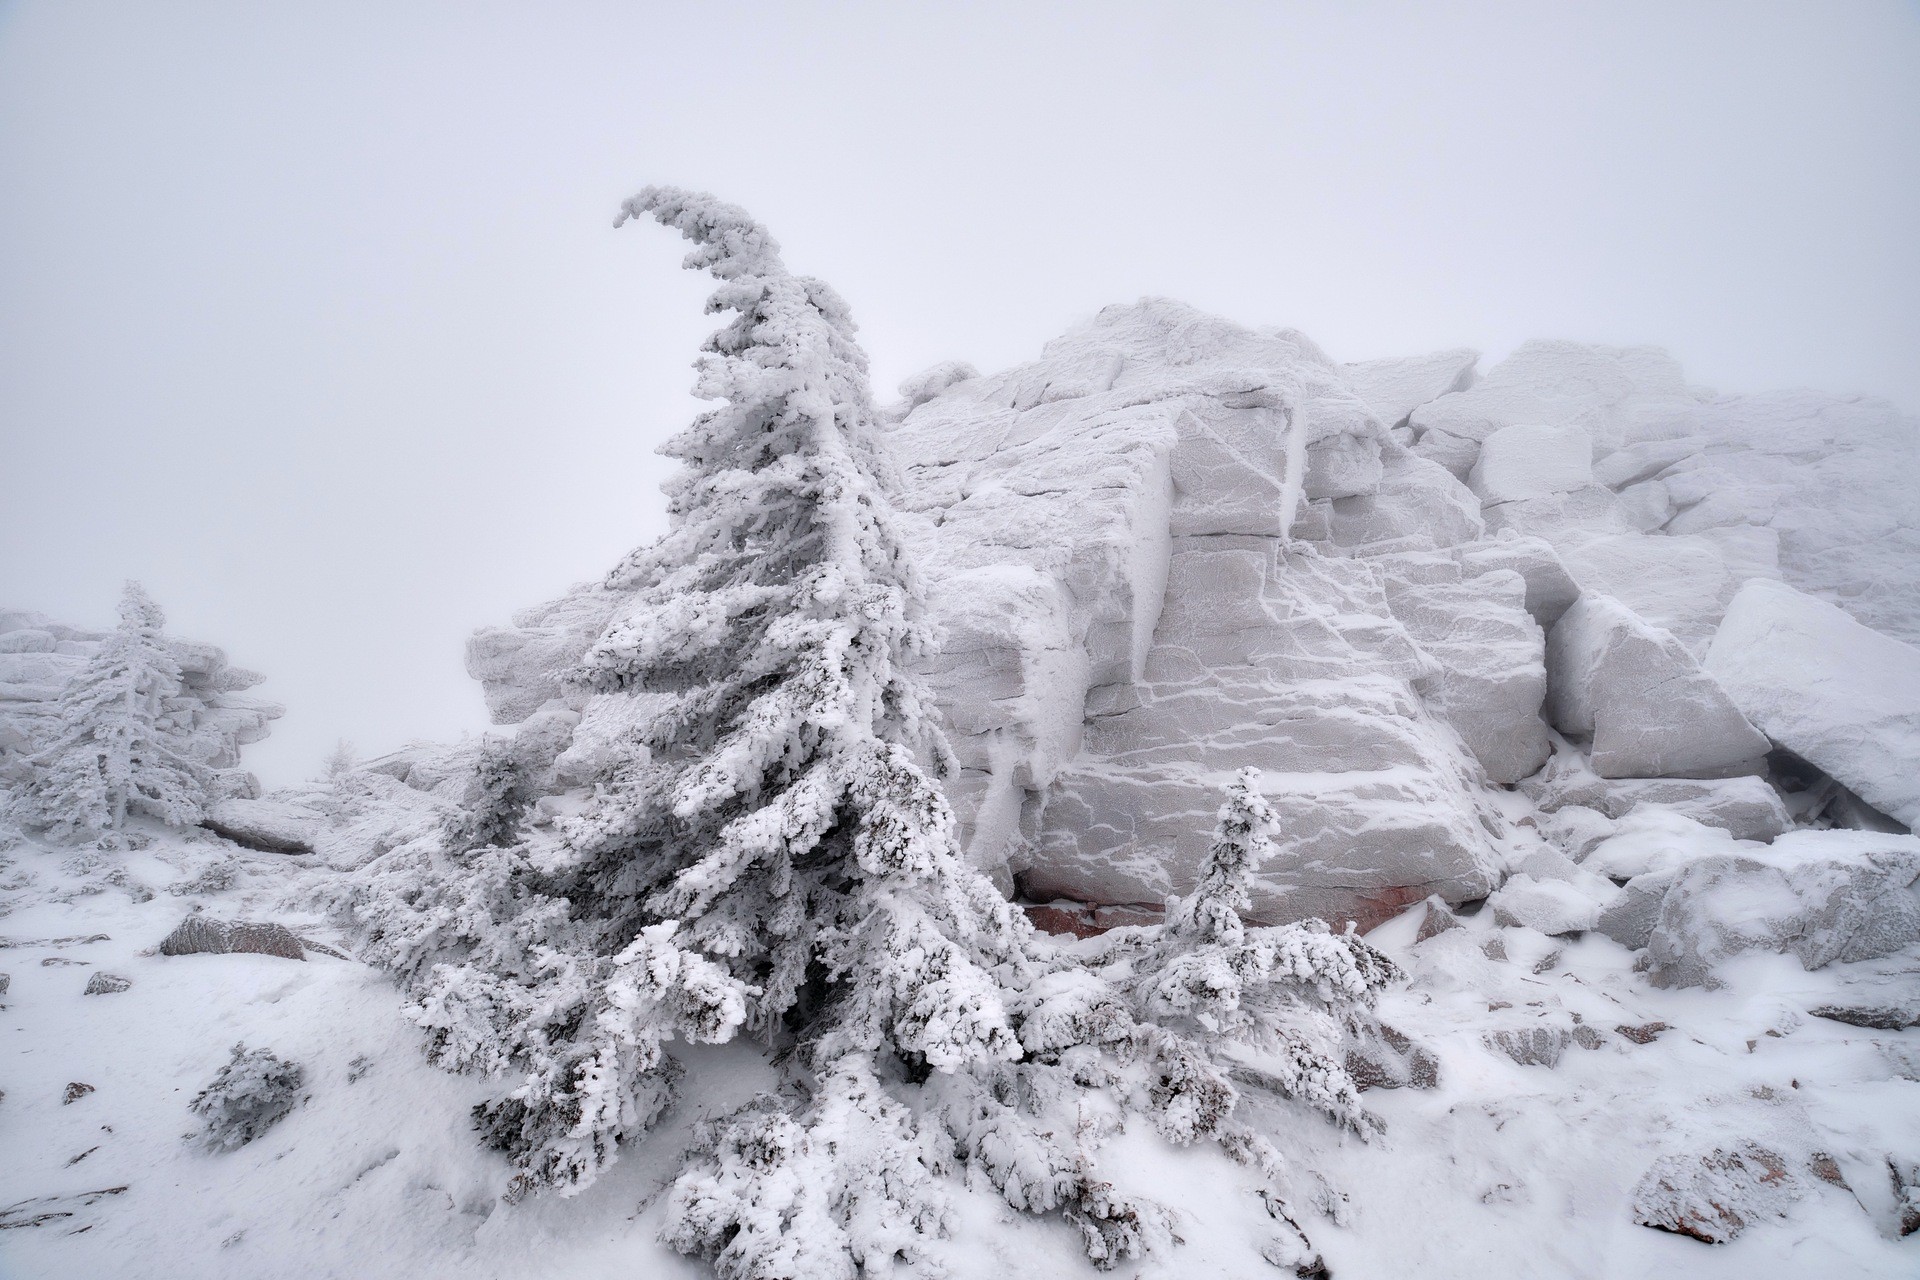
x,y
312,317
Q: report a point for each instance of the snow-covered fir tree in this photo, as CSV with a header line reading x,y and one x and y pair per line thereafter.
x,y
1169,1022
770,851
120,745
766,850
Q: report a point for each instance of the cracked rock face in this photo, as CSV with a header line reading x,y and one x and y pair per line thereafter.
x,y
1173,624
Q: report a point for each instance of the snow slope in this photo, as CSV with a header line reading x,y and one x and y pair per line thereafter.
x,y
1503,1168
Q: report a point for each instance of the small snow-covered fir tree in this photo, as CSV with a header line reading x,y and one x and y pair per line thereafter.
x,y
1272,1005
1166,1021
339,761
498,797
117,748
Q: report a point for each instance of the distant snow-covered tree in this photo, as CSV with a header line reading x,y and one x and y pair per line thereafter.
x,y
119,746
339,761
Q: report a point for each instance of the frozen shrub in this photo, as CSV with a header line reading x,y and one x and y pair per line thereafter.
x,y
1162,1021
847,1189
255,1091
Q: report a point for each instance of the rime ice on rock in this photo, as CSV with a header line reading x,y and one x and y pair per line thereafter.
x,y
1636,692
1824,897
1187,634
1393,388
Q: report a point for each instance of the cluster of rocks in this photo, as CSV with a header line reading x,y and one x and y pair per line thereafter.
x,y
1174,546
38,656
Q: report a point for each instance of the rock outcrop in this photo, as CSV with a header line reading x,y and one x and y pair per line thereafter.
x,y
1824,897
1174,546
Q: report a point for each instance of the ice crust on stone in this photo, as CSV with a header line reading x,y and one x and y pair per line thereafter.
x,y
1608,391
1824,897
1393,388
1521,462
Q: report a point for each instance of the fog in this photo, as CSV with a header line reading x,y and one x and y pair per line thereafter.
x,y
313,319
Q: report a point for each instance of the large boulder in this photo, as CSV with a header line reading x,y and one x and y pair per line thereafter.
x,y
1747,808
1830,480
275,826
1393,388
1492,678
1678,584
1293,663
1610,391
203,935
1829,689
1646,705
1138,599
1414,501
1551,590
1821,896
1530,461
1715,1196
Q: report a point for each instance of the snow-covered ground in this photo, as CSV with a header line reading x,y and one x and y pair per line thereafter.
x,y
1503,1169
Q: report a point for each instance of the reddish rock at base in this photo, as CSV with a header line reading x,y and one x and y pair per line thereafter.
x,y
1371,910
1063,917
1087,920
1124,914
